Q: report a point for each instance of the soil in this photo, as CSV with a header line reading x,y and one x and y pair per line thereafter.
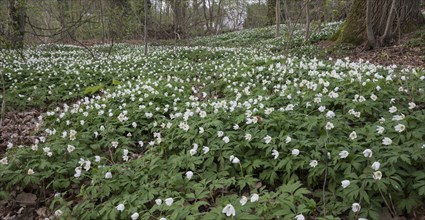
x,y
409,52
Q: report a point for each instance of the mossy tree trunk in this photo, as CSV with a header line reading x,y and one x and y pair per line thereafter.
x,y
17,13
379,22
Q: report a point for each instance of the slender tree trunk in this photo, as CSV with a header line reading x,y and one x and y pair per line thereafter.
x,y
145,7
17,13
218,19
102,20
278,15
288,21
211,12
204,7
369,27
307,20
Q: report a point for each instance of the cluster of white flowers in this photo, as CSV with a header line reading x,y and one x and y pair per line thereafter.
x,y
132,106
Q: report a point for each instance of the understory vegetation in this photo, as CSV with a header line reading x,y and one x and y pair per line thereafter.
x,y
230,128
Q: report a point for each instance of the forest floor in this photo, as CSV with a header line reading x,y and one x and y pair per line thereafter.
x,y
19,127
409,51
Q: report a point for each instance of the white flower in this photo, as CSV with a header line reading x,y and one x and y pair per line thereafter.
x,y
134,216
345,183
226,139
243,200
255,197
329,126
398,117
267,139
376,165
412,105
322,108
169,201
30,172
377,175
114,144
236,126
201,130
97,158
220,133
288,139
367,153
380,129
353,135
120,207
108,175
77,172
158,201
343,154
373,97
330,114
205,149
295,152
189,175
357,114
70,148
194,150
162,218
355,207
300,217
58,213
386,141
4,161
235,160
313,163
392,109
275,153
248,137
400,128
229,210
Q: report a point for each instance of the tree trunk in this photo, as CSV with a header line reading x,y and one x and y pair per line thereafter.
x,y
307,20
271,12
17,13
178,18
278,18
218,21
65,19
207,23
377,22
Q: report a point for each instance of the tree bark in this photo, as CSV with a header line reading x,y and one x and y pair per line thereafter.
x,y
207,23
17,13
145,9
375,22
307,20
65,19
278,18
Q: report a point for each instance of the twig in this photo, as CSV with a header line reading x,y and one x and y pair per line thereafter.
x,y
3,103
386,203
